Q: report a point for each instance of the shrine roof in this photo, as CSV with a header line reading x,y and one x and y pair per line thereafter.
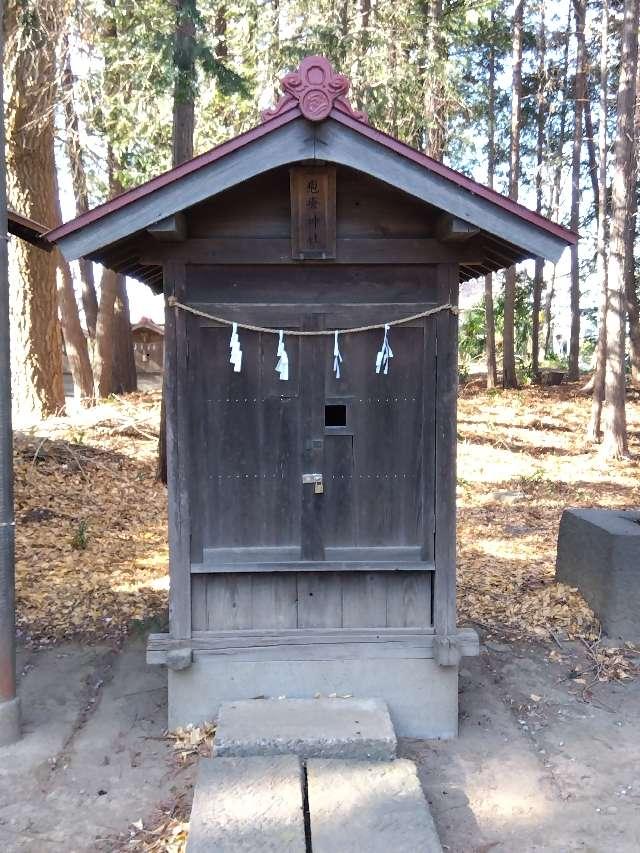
x,y
313,120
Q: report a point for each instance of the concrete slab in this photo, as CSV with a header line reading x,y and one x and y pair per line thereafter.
x,y
248,805
422,696
321,728
373,806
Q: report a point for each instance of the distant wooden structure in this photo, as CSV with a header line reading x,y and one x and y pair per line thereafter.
x,y
311,517
148,346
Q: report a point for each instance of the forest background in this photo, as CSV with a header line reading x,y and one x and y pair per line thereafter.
x,y
537,99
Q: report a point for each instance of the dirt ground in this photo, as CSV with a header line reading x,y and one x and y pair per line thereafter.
x,y
536,768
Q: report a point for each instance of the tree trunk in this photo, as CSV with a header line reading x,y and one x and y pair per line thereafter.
x,y
104,346
591,150
633,308
79,183
554,196
184,102
124,377
74,338
548,318
221,49
489,315
184,90
36,343
541,117
597,391
509,376
614,444
434,93
579,99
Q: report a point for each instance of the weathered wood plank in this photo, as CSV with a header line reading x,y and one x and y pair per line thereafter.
x,y
319,600
197,480
170,229
229,602
364,600
428,427
276,250
177,455
409,600
262,208
199,621
315,644
444,603
313,284
313,352
372,564
274,601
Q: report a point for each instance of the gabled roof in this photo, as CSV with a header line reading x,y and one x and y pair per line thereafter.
x,y
146,324
314,120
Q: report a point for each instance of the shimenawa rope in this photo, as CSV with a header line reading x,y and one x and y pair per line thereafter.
x,y
173,303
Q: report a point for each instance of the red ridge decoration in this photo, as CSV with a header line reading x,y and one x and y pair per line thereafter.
x,y
316,89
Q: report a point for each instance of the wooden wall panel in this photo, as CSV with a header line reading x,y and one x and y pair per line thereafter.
x,y
262,208
287,601
319,600
311,282
409,600
364,600
228,602
274,601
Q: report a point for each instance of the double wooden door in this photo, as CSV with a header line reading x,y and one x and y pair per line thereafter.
x,y
315,468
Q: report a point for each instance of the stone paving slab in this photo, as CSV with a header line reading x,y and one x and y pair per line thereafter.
x,y
320,728
377,807
246,805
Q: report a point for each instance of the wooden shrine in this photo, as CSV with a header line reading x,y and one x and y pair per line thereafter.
x,y
312,478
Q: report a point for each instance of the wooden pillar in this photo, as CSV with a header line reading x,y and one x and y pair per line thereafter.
x,y
176,403
446,648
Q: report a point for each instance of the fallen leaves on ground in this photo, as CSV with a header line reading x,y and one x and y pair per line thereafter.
x,y
167,833
91,519
192,741
91,552
522,460
168,830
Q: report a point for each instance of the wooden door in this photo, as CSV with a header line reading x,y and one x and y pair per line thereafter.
x,y
246,470
372,430
369,436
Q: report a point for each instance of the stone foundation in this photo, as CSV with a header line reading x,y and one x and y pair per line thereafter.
x,y
422,695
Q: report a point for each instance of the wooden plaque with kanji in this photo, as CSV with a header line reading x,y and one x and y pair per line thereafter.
x,y
313,212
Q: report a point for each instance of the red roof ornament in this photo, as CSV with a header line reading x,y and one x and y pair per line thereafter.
x,y
316,89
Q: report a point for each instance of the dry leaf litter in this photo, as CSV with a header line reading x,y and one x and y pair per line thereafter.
x,y
168,830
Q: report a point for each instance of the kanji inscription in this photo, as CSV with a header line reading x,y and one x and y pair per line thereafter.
x,y
313,213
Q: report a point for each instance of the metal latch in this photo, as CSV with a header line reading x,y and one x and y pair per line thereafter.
x,y
316,479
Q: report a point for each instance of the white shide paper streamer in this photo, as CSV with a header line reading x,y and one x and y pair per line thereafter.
x,y
282,366
236,351
382,359
337,358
